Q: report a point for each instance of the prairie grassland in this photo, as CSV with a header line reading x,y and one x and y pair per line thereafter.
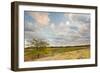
x,y
59,53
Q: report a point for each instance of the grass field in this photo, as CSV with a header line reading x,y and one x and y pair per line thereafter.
x,y
57,53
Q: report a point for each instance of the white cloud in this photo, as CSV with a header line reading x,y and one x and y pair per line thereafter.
x,y
78,17
41,18
73,31
60,29
52,25
29,26
26,43
67,23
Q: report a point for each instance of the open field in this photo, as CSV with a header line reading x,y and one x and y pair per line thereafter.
x,y
57,53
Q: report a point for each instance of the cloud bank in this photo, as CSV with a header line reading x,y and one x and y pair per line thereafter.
x,y
57,28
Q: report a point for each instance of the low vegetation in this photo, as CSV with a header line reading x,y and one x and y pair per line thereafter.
x,y
56,53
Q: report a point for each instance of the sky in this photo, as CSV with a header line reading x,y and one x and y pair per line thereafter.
x,y
57,28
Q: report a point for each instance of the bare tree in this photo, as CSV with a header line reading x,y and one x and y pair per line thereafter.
x,y
39,47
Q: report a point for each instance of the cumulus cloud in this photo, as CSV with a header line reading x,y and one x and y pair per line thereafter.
x,y
78,17
41,17
79,21
27,43
73,30
29,26
60,29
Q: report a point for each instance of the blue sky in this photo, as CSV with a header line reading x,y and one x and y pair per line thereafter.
x,y
57,28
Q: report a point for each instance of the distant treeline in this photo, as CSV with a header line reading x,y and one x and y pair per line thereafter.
x,y
59,46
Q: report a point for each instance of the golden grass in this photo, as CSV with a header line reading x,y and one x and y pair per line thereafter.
x,y
66,53
78,54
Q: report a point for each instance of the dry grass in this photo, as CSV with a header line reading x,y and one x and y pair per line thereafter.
x,y
78,54
65,53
